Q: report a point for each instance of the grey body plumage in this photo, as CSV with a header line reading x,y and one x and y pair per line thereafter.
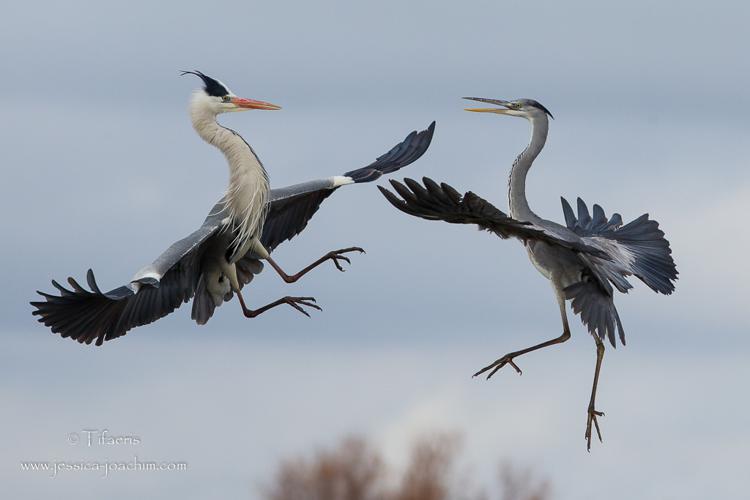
x,y
216,261
180,273
587,259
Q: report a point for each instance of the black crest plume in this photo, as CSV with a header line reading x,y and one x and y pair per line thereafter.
x,y
211,86
541,106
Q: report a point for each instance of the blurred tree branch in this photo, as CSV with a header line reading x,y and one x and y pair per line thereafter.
x,y
355,471
351,472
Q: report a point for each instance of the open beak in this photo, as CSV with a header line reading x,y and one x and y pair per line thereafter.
x,y
498,102
243,103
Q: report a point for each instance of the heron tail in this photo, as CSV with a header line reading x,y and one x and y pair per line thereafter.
x,y
596,309
203,303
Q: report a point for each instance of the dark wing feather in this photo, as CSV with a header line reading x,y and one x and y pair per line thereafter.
x,y
596,308
643,250
157,290
638,248
584,225
402,154
442,202
288,217
88,315
291,208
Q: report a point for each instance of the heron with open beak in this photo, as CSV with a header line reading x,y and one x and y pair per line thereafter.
x,y
586,260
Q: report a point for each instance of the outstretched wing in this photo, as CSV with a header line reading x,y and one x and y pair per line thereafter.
x,y
442,202
292,207
155,291
639,247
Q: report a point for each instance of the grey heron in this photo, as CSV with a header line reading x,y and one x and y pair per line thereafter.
x,y
213,263
586,260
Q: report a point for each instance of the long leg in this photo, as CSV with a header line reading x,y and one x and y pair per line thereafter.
x,y
295,302
334,255
592,411
508,358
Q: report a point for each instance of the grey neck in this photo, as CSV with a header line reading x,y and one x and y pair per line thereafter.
x,y
519,205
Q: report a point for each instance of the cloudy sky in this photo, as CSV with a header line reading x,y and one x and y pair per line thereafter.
x,y
101,169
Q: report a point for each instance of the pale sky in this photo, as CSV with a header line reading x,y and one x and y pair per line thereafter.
x,y
101,169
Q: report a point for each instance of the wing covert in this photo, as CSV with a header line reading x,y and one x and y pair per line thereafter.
x,y
292,207
435,201
639,247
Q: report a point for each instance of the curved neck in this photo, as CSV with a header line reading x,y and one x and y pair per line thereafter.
x,y
237,151
248,189
519,206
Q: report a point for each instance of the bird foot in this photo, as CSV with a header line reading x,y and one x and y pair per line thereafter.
x,y
297,302
505,360
592,420
336,255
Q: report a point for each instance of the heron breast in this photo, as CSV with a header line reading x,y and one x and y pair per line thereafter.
x,y
552,260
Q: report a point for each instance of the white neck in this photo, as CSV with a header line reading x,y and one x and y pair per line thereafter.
x,y
519,206
247,194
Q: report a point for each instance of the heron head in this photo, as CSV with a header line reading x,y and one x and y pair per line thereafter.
x,y
217,98
525,108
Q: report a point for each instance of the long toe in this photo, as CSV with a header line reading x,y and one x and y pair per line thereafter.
x,y
335,258
488,367
350,249
294,305
298,302
310,304
593,424
497,365
344,258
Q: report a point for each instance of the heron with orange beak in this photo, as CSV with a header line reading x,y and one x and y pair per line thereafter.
x,y
213,263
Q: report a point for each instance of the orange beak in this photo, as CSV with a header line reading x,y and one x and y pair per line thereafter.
x,y
252,104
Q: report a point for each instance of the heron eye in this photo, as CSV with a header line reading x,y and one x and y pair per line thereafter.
x,y
226,98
